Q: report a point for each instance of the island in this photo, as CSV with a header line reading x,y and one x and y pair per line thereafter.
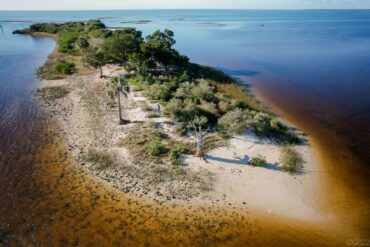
x,y
139,115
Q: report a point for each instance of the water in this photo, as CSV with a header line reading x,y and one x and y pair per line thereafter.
x,y
20,56
325,54
311,66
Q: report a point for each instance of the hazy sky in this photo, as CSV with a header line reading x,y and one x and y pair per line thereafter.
x,y
178,4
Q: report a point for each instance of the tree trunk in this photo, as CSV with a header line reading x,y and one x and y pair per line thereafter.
x,y
119,108
200,144
101,72
83,59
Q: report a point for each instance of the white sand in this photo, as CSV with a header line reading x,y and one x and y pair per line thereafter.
x,y
265,188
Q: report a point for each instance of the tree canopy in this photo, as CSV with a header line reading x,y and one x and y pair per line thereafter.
x,y
122,44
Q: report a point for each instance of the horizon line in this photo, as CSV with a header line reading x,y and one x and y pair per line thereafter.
x,y
158,9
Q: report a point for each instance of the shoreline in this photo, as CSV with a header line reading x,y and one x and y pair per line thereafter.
x,y
250,189
336,185
310,207
283,225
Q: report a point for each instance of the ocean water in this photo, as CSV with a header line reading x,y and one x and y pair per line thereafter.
x,y
313,66
311,62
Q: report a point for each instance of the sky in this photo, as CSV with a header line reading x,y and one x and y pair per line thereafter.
x,y
180,4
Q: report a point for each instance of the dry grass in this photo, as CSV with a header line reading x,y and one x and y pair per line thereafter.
x,y
100,159
144,106
53,93
291,160
149,145
238,92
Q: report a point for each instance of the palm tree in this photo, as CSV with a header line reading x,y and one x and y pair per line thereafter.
x,y
82,44
96,59
117,86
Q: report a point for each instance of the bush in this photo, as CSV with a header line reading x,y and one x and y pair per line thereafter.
x,y
290,159
257,161
175,154
64,67
181,129
159,92
155,148
202,91
233,121
67,41
99,158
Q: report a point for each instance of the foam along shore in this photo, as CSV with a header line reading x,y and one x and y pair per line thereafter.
x,y
86,122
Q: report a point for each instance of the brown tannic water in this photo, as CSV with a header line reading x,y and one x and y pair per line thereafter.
x,y
46,200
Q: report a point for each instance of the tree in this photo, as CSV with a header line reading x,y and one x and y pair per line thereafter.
x,y
199,133
82,44
159,53
94,25
115,87
96,58
122,44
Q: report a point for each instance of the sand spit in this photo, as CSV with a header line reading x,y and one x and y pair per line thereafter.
x,y
87,122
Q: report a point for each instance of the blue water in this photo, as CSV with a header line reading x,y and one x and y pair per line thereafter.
x,y
314,64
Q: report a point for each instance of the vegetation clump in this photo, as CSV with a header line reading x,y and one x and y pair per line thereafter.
x,y
290,159
258,160
181,129
53,93
187,91
158,147
100,159
64,67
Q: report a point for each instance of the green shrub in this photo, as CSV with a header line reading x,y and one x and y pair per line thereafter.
x,y
67,42
64,67
290,159
155,148
202,91
175,154
181,129
159,135
257,161
153,115
233,121
99,158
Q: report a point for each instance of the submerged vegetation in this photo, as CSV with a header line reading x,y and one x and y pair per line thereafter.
x,y
189,92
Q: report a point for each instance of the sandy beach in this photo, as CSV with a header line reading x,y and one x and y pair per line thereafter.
x,y
86,122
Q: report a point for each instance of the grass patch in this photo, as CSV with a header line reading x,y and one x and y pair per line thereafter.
x,y
144,106
100,159
290,159
152,146
202,181
56,68
53,93
213,141
258,160
64,67
153,115
181,129
90,101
